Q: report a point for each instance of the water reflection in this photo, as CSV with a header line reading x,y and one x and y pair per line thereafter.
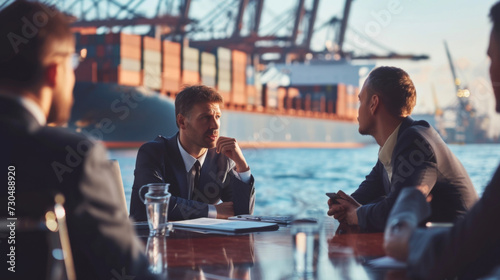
x,y
188,255
156,251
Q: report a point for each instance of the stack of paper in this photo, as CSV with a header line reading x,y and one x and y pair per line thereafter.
x,y
224,225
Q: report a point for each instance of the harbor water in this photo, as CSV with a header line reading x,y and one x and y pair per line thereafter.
x,y
289,180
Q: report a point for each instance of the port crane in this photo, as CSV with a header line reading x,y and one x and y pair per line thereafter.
x,y
235,24
468,124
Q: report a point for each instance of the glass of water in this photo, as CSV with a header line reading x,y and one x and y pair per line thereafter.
x,y
156,201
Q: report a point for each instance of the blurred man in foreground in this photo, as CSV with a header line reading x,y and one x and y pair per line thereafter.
x,y
37,60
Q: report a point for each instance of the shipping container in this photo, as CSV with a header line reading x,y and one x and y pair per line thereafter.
x,y
123,39
151,62
208,70
170,85
190,77
251,96
341,104
119,76
87,71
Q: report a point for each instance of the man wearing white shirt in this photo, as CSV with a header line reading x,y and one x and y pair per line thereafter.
x,y
411,154
222,185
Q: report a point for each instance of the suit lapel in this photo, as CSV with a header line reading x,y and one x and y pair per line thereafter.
x,y
407,122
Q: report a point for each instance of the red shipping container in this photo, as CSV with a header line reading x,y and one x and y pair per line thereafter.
x,y
119,76
130,51
307,103
84,30
170,85
330,106
281,97
172,48
251,95
239,57
170,61
292,92
150,43
238,95
226,96
86,71
172,73
322,104
298,103
190,77
341,105
123,39
100,51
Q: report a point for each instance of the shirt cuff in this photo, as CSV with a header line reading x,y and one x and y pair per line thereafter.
x,y
212,211
243,176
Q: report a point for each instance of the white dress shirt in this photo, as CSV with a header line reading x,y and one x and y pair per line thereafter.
x,y
189,161
385,152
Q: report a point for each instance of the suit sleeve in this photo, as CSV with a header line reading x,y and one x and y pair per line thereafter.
x,y
148,169
471,248
103,227
372,188
413,166
241,194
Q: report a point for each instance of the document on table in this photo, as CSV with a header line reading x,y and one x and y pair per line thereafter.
x,y
225,225
386,263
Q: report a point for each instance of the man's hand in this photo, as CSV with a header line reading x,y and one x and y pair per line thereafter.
x,y
336,210
345,211
224,210
396,237
230,148
350,211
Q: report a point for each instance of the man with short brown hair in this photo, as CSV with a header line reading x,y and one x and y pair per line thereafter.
x,y
37,55
411,154
201,167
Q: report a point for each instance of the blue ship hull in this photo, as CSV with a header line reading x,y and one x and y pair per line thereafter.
x,y
123,116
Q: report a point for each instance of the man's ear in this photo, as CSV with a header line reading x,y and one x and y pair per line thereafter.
x,y
374,103
51,75
181,121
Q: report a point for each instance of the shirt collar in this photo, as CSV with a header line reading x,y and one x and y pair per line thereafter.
x,y
385,153
30,106
188,159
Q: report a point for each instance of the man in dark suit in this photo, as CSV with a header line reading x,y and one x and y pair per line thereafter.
x,y
411,153
223,172
36,82
471,248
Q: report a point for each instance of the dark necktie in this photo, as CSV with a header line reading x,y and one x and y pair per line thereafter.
x,y
196,180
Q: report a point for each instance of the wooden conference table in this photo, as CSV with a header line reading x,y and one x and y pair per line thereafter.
x,y
264,255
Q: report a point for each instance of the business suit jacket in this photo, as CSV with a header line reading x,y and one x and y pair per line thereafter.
x,y
419,157
160,161
50,160
468,250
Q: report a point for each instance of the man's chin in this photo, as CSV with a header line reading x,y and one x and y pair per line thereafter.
x,y
210,144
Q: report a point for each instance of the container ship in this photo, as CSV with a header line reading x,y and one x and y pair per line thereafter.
x,y
127,83
278,91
